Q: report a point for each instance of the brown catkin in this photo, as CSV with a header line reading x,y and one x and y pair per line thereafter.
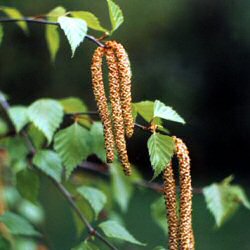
x,y
171,205
116,108
99,93
185,228
125,87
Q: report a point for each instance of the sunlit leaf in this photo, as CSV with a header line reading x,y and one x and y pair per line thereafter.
x,y
49,163
36,136
166,112
73,105
91,20
145,109
223,199
19,116
1,33
47,115
72,145
95,197
115,14
17,225
161,150
27,183
56,12
15,14
114,230
75,30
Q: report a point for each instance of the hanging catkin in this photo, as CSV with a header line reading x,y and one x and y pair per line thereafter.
x,y
125,86
114,83
99,92
185,228
171,205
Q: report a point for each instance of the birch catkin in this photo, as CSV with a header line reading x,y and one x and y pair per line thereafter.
x,y
185,228
125,87
114,83
171,205
99,93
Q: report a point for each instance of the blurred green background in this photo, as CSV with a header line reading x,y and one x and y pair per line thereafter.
x,y
192,55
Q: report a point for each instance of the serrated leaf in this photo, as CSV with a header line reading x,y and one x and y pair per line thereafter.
x,y
86,245
223,199
95,197
73,105
161,150
145,109
27,183
121,187
36,136
50,163
72,145
47,115
19,116
17,225
75,30
91,20
115,15
15,14
158,212
114,230
1,33
166,112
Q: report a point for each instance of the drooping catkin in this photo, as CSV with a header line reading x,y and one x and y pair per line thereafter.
x,y
185,227
171,205
125,87
117,109
99,93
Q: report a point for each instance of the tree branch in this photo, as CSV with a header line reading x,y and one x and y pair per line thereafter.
x,y
46,22
5,108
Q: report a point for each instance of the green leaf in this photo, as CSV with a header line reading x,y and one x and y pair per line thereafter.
x,y
158,212
115,14
114,230
72,145
97,141
3,127
19,116
47,115
223,199
53,40
95,197
49,163
37,137
28,184
86,245
1,33
145,109
91,20
17,225
166,112
73,105
56,12
15,14
121,186
75,30
161,150
159,248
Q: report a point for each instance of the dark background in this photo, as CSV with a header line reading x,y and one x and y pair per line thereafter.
x,y
192,55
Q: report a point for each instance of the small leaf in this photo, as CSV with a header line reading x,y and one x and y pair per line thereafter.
x,y
49,163
75,30
47,115
72,145
37,137
159,248
86,245
15,14
91,20
115,14
161,150
19,116
121,186
1,33
28,184
114,230
73,105
223,199
158,212
56,12
166,112
17,225
53,40
95,197
145,109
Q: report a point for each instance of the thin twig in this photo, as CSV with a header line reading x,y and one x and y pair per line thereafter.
x,y
46,22
5,108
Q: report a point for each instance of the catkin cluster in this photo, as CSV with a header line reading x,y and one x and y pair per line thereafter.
x,y
119,122
180,227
